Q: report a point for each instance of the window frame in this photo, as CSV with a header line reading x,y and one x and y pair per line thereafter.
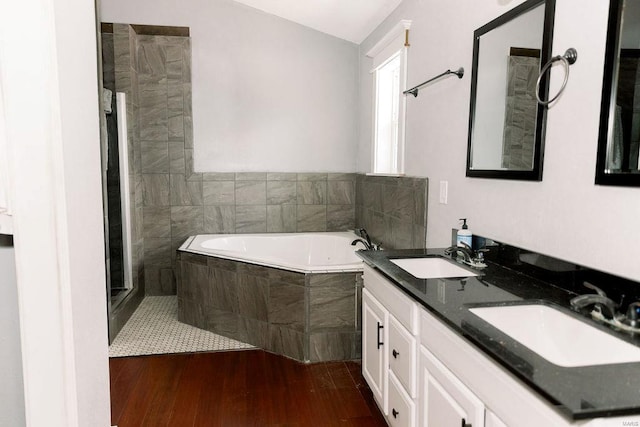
x,y
394,43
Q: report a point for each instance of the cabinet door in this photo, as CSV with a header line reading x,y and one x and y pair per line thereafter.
x,y
402,355
374,337
445,401
402,409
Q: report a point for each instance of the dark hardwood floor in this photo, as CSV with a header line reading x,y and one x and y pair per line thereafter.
x,y
240,388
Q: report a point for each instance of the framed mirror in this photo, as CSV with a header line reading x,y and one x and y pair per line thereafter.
x,y
618,161
506,123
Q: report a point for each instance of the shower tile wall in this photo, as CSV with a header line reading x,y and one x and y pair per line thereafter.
x,y
171,191
124,42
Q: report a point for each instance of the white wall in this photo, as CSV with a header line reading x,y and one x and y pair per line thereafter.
x,y
268,94
565,215
50,94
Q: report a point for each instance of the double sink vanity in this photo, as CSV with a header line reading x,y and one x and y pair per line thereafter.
x,y
446,345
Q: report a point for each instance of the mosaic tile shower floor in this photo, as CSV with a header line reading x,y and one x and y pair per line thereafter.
x,y
154,329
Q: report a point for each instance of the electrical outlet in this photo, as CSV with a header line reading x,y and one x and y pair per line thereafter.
x,y
444,192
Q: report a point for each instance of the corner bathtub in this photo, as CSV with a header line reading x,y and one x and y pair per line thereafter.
x,y
295,294
299,252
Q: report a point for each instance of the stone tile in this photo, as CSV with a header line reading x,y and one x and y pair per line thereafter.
x,y
219,219
281,192
286,305
281,218
341,177
340,281
401,234
311,218
341,217
175,124
251,192
253,297
282,176
332,308
155,188
175,97
167,281
311,192
157,252
157,221
277,276
312,177
251,176
221,322
155,157
176,157
186,220
190,174
372,195
152,281
219,176
253,332
341,192
224,290
151,58
185,193
251,219
219,192
153,122
326,346
287,342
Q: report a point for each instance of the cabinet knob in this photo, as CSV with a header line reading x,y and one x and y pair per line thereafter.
x,y
395,354
464,423
395,413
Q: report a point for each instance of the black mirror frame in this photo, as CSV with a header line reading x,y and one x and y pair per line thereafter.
x,y
547,38
609,93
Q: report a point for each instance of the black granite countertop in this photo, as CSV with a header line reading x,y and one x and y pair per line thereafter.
x,y
576,392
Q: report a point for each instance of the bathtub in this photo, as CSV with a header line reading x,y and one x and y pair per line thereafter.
x,y
328,252
294,294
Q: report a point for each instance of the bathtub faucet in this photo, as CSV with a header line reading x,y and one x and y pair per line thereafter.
x,y
369,247
365,240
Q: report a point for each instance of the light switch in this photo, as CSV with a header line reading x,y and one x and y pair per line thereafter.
x,y
444,190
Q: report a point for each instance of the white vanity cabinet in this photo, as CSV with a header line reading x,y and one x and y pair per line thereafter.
x,y
389,348
422,373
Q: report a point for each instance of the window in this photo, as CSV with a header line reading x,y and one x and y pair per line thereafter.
x,y
389,60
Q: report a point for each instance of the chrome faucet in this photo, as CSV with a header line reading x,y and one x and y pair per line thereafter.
x,y
463,252
598,301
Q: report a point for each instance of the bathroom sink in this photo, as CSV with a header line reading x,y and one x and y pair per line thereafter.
x,y
557,336
432,268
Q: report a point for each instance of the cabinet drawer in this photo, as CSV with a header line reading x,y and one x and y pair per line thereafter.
x,y
398,304
402,350
402,410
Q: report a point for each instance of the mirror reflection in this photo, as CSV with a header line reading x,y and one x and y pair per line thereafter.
x,y
619,140
506,123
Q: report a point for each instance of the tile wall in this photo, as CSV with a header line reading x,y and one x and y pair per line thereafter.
x,y
121,42
393,210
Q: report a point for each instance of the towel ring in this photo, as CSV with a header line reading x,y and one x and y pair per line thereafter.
x,y
569,58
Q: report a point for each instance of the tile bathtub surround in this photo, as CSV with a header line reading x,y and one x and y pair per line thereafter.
x,y
308,317
393,210
177,206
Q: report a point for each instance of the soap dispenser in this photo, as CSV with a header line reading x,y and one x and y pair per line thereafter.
x,y
464,234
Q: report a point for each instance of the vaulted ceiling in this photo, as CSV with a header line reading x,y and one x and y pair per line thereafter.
x,y
351,20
